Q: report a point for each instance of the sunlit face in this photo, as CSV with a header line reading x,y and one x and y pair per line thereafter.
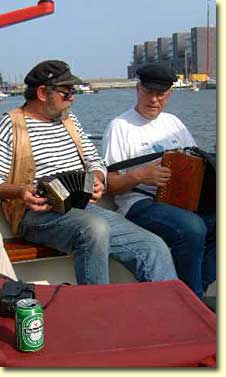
x,y
59,101
150,102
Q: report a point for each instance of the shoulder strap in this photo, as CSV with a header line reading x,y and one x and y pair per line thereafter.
x,y
211,157
134,161
70,126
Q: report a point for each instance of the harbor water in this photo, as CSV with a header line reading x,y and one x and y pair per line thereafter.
x,y
196,109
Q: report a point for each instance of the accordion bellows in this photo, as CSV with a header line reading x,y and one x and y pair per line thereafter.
x,y
184,187
67,189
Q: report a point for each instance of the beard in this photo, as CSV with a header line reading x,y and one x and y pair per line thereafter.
x,y
57,115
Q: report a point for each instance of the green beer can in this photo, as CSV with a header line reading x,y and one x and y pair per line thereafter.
x,y
29,325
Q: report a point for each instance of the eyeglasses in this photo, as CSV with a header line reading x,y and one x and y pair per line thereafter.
x,y
66,94
160,94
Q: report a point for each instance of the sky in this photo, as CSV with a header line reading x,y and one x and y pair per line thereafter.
x,y
95,37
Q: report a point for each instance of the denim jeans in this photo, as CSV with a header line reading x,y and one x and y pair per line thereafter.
x,y
191,236
94,234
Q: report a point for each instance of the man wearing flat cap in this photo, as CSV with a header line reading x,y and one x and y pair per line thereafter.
x,y
146,129
43,138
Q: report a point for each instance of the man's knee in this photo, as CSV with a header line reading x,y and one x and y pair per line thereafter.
x,y
160,259
154,247
194,226
97,228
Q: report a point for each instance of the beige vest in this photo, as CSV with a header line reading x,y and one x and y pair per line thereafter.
x,y
23,166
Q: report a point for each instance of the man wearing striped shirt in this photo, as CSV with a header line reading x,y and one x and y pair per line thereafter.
x,y
91,234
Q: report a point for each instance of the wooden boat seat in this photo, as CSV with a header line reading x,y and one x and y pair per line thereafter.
x,y
19,250
49,261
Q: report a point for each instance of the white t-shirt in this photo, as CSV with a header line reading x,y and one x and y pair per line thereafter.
x,y
130,135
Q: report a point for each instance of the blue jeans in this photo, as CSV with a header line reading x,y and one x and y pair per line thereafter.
x,y
94,234
191,236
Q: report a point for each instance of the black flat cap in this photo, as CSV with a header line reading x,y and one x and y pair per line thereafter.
x,y
156,76
50,72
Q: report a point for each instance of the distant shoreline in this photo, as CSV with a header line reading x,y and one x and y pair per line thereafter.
x,y
115,83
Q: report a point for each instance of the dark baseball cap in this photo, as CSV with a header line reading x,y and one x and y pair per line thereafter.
x,y
50,72
156,76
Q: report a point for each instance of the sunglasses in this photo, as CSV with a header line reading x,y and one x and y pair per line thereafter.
x,y
66,94
160,94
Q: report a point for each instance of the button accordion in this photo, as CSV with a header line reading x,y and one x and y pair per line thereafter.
x,y
67,189
185,185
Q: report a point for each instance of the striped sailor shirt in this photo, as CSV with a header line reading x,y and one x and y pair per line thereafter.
x,y
52,148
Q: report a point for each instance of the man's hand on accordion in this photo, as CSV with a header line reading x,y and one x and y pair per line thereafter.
x,y
98,190
153,174
32,200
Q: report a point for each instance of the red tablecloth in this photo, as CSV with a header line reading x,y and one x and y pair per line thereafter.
x,y
122,325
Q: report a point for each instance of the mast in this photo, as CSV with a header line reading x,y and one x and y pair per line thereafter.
x,y
186,64
208,41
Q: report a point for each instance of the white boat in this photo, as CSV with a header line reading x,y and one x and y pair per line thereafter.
x,y
3,95
195,89
51,269
181,84
85,88
56,269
